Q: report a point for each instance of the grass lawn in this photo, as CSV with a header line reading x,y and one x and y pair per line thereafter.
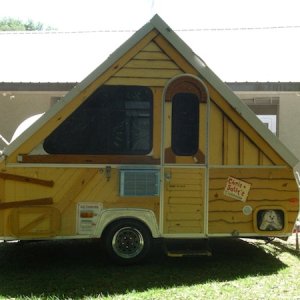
x,y
80,270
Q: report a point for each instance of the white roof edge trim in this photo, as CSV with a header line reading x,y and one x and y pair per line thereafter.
x,y
206,73
176,41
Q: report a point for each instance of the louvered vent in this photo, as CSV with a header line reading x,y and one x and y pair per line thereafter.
x,y
139,182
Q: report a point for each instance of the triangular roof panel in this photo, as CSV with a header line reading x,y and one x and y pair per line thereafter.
x,y
157,26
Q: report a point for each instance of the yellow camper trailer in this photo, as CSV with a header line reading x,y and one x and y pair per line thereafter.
x,y
152,144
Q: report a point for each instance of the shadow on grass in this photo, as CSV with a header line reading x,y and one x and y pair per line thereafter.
x,y
75,269
278,246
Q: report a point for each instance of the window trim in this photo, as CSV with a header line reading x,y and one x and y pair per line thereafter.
x,y
187,83
272,232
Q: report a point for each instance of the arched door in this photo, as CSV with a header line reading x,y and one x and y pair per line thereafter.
x,y
184,156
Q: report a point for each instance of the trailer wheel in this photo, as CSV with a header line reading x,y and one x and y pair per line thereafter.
x,y
127,241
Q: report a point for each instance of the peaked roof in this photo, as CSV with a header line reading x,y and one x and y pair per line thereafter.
x,y
204,72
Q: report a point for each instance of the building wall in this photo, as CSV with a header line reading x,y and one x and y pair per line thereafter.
x,y
288,115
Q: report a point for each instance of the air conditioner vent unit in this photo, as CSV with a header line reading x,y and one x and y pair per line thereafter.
x,y
139,182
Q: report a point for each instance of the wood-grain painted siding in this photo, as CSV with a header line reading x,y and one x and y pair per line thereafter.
x,y
149,67
184,195
269,188
70,186
229,145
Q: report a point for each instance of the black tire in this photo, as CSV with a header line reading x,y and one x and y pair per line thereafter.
x,y
127,241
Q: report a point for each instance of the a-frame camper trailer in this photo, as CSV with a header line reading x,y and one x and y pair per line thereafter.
x,y
152,144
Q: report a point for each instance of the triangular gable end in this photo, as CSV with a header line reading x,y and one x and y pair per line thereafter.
x,y
127,65
220,92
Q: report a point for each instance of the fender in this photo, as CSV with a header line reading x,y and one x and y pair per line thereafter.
x,y
110,215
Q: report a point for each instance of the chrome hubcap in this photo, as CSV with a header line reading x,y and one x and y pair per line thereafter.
x,y
127,242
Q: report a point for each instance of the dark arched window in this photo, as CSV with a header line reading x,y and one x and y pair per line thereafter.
x,y
185,124
185,93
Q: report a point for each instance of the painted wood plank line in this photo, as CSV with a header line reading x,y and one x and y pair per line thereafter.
x,y
261,173
60,177
222,205
192,181
156,134
122,61
216,135
245,127
174,55
232,217
255,181
290,197
154,82
14,204
185,194
151,64
233,143
58,118
99,187
225,140
151,56
260,157
152,47
266,160
193,223
203,128
226,211
187,230
260,189
249,201
240,211
294,212
228,222
89,159
227,201
222,227
35,222
241,148
64,181
184,216
185,200
270,194
13,177
77,185
184,187
279,184
193,208
2,189
148,73
251,152
181,173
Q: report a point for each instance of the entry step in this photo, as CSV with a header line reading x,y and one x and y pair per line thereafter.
x,y
188,253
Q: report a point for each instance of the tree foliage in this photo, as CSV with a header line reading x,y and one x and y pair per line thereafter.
x,y
11,24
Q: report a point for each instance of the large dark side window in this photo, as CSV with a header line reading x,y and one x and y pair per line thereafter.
x,y
185,124
113,120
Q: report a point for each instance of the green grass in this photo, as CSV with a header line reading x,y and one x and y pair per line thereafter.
x,y
80,270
